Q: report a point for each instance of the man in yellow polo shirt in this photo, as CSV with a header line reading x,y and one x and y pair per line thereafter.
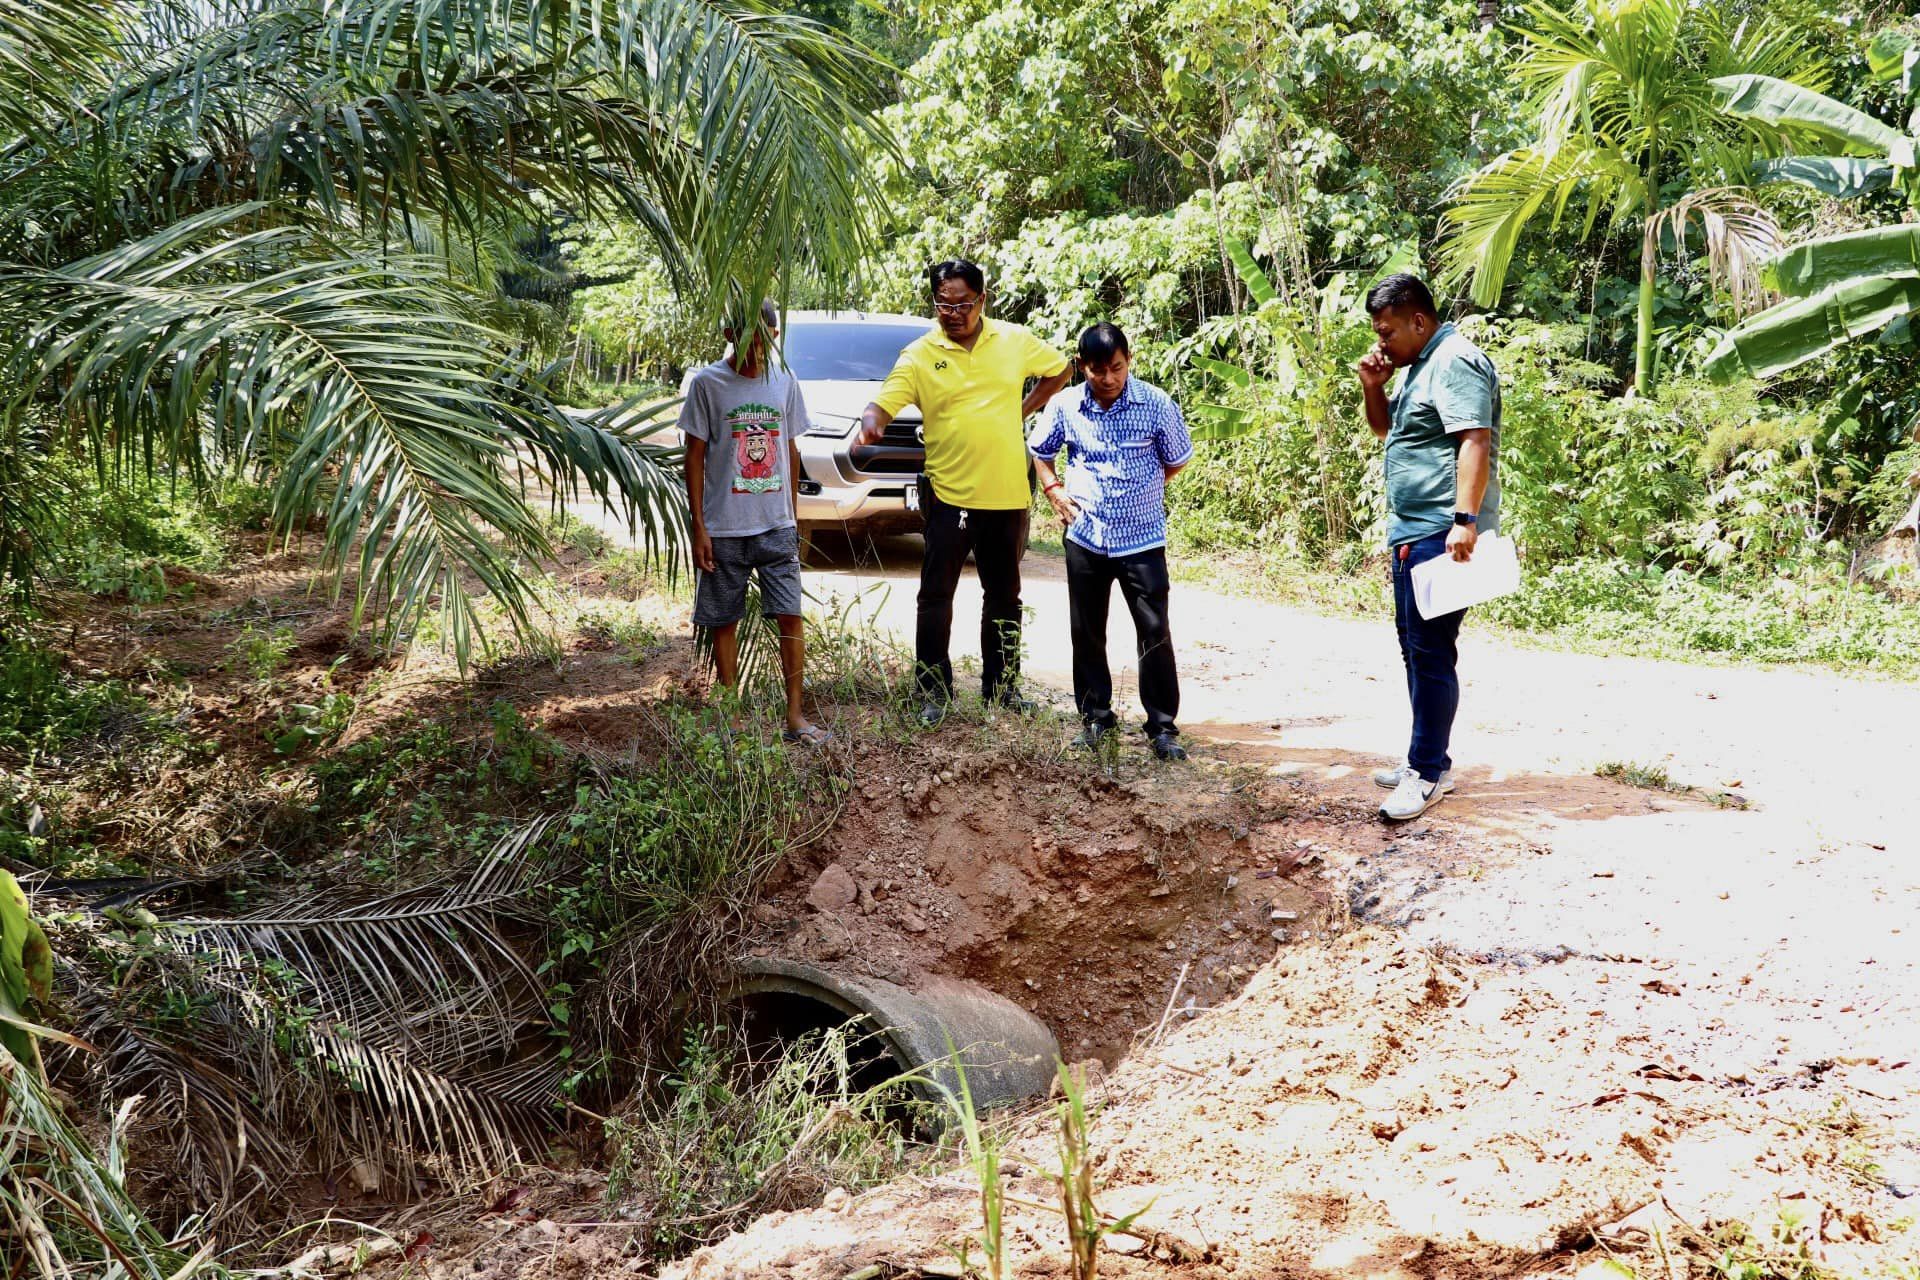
x,y
966,376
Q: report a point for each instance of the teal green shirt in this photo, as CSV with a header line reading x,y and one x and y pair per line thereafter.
x,y
1451,387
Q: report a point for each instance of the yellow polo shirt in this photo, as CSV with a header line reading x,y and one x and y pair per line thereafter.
x,y
976,450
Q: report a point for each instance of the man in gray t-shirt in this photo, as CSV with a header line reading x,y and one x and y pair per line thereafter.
x,y
742,418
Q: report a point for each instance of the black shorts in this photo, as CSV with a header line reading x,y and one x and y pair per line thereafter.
x,y
720,598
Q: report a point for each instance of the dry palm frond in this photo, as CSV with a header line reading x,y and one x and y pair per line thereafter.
x,y
222,1146
1740,237
425,965
392,1034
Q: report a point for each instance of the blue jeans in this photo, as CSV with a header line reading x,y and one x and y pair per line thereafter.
x,y
1430,649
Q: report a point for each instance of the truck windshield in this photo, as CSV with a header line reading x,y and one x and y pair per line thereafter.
x,y
821,351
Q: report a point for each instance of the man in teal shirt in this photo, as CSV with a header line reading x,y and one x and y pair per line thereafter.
x,y
1442,431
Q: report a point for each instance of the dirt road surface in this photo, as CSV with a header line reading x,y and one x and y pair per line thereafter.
x,y
1823,862
1626,1015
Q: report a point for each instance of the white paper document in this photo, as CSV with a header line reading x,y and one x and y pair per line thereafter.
x,y
1443,585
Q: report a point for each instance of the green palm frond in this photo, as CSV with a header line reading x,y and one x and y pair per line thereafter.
x,y
612,454
730,130
48,48
168,290
1490,208
364,372
1617,84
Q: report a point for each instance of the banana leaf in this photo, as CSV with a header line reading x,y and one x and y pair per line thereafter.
x,y
1232,374
1895,55
1221,422
1258,285
1842,177
1788,106
26,969
1792,333
1808,268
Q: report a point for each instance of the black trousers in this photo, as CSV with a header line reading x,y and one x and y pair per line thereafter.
x,y
997,539
1144,586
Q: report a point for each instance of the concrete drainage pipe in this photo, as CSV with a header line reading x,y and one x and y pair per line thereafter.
x,y
1008,1054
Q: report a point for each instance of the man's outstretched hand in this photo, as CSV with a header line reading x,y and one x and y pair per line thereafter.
x,y
1375,369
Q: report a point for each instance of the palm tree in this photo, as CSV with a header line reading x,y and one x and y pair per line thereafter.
x,y
256,234
1622,106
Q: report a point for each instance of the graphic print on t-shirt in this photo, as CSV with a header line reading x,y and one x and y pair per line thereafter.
x,y
756,445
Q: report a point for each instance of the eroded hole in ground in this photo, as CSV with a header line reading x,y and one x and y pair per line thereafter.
x,y
1080,898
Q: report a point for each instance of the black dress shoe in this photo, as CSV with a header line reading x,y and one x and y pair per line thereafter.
x,y
1012,701
933,714
1167,746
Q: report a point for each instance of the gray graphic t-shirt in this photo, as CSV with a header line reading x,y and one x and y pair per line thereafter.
x,y
747,423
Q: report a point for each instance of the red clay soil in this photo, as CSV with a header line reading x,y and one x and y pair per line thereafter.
x,y
1079,897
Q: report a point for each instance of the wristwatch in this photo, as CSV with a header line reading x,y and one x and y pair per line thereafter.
x,y
1465,517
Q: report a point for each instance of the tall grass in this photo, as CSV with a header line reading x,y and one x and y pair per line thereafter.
x,y
732,1138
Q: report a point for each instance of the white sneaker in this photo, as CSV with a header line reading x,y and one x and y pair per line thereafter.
x,y
1414,796
1390,778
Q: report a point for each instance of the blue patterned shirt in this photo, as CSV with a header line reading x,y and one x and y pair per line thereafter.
x,y
1120,457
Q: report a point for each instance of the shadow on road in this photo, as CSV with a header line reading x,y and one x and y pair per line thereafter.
x,y
1491,799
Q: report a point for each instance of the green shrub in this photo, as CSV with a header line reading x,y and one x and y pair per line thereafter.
x,y
260,650
697,830
732,1139
1805,614
119,532
43,709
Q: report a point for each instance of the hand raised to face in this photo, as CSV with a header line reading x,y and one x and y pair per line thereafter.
x,y
1375,368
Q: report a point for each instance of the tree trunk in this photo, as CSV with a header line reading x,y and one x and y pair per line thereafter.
x,y
1643,329
1649,270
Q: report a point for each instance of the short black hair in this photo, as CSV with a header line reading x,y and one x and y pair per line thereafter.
x,y
737,321
956,269
1402,290
1102,342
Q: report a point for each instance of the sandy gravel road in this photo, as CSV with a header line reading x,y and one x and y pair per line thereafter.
x,y
1811,892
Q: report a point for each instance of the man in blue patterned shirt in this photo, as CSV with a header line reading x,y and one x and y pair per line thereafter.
x,y
1125,439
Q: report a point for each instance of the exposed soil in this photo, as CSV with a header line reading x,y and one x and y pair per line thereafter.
x,y
1557,1017
1080,897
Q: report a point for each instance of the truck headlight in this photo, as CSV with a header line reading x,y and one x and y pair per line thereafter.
x,y
824,424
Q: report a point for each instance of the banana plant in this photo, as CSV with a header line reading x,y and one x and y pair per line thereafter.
x,y
26,972
1840,288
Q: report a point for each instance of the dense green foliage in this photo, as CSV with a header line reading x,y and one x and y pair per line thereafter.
x,y
1106,163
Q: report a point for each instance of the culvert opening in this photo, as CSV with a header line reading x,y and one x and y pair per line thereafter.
x,y
933,1031
771,1021
1106,910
